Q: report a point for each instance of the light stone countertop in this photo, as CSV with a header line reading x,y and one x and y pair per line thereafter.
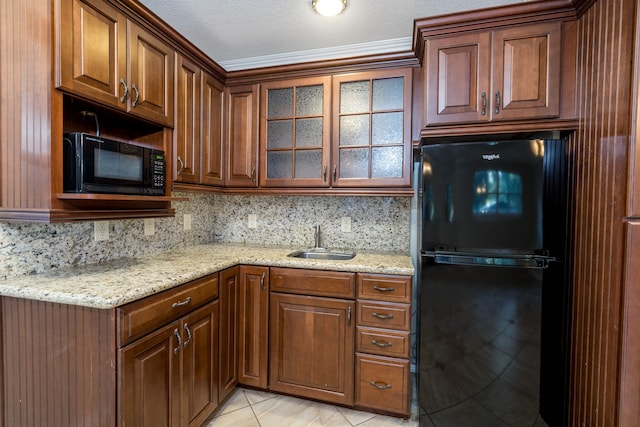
x,y
111,284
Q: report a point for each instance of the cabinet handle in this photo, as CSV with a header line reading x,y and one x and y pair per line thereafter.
x,y
378,288
253,174
324,173
181,303
381,343
484,103
382,316
262,282
497,102
181,168
335,172
380,386
125,94
188,340
135,89
349,316
177,334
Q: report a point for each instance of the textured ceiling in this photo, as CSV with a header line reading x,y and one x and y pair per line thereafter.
x,y
243,34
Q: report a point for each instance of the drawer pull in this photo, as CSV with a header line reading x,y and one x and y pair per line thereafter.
x,y
181,303
378,288
380,386
177,334
381,343
382,316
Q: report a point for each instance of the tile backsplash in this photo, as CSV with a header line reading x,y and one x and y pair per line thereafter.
x,y
377,224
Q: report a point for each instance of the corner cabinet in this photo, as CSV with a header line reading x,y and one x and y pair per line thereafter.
x,y
105,56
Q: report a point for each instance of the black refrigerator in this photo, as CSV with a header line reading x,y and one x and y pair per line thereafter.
x,y
494,284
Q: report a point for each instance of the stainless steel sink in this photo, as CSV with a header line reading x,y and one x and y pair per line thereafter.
x,y
319,253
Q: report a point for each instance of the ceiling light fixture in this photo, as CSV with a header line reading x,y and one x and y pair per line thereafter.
x,y
328,7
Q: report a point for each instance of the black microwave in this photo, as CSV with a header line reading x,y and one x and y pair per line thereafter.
x,y
97,165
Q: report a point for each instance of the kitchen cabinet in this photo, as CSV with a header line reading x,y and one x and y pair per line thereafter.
x,y
169,377
319,330
211,132
295,132
107,57
371,144
187,122
242,136
383,343
253,326
229,288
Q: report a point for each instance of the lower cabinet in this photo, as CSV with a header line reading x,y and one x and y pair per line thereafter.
x,y
312,347
253,326
228,343
170,377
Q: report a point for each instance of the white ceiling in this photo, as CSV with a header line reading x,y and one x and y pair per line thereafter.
x,y
244,34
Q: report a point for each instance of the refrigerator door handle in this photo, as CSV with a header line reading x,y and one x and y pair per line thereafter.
x,y
490,260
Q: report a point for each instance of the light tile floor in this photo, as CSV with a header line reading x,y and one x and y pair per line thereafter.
x,y
251,408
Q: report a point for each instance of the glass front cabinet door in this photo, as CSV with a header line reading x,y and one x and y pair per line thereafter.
x,y
294,133
372,129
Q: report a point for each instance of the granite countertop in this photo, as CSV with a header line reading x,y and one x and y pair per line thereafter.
x,y
111,284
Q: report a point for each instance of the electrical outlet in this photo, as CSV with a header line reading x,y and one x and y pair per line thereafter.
x,y
149,226
187,222
345,225
252,221
101,230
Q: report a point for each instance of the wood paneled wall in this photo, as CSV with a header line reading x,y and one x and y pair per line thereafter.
x,y
61,367
599,150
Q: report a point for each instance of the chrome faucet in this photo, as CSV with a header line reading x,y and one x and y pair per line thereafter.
x,y
316,236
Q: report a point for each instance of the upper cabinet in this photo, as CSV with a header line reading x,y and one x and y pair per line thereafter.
x,y
508,74
106,57
348,130
242,136
372,129
295,132
488,72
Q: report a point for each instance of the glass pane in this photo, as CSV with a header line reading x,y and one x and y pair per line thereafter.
x,y
280,103
309,132
354,97
354,163
279,164
388,94
309,101
387,128
354,130
386,162
309,164
280,134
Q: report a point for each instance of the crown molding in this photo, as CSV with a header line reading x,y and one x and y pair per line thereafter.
x,y
347,51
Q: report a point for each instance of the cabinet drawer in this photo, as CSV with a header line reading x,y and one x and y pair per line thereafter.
x,y
383,342
384,287
141,317
313,282
384,315
382,383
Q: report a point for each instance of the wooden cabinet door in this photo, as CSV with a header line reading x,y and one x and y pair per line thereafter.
x,y
253,326
211,132
93,51
200,364
312,347
187,121
242,137
371,138
228,378
526,72
151,71
148,377
457,78
295,132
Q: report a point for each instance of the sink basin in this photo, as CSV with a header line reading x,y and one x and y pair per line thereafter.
x,y
322,254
